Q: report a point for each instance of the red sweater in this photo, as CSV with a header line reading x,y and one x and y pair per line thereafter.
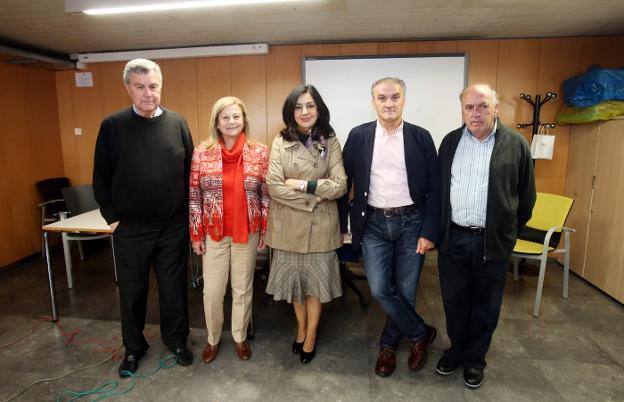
x,y
206,207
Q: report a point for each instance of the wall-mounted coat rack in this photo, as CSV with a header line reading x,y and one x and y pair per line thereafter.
x,y
537,105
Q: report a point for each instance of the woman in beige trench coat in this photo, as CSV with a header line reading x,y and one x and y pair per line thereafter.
x,y
305,178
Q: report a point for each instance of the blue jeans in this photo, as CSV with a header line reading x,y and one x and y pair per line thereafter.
x,y
393,269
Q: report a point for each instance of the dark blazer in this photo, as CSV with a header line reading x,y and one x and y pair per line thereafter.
x,y
421,163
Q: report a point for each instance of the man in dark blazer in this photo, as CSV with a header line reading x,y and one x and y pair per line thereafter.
x,y
394,216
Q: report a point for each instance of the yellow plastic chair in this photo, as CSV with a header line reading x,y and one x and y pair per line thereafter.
x,y
542,237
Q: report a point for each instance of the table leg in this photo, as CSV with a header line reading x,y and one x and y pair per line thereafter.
x,y
50,278
68,261
67,255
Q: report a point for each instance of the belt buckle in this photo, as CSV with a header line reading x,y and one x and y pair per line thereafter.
x,y
388,213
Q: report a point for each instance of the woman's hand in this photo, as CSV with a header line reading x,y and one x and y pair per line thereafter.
x,y
261,244
293,184
199,247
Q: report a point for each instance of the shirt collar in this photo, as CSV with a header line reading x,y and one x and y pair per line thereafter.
x,y
157,113
381,131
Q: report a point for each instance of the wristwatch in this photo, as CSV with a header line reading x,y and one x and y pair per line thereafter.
x,y
301,185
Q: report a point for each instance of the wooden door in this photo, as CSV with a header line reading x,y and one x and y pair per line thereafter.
x,y
580,172
606,224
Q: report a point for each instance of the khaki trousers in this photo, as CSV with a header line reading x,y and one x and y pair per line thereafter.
x,y
222,259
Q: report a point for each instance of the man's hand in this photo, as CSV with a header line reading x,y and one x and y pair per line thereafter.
x,y
199,247
114,225
424,245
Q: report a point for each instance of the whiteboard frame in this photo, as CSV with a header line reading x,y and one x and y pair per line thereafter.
x,y
454,119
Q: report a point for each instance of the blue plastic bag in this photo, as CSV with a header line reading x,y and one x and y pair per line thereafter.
x,y
593,86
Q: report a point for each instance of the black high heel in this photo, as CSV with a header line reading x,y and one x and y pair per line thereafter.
x,y
297,347
307,357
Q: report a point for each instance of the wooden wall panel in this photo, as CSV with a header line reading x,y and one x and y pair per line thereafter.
x,y
320,50
12,129
88,115
518,65
18,143
284,65
30,150
398,48
179,92
357,49
213,82
114,94
248,77
65,102
7,238
559,59
44,142
606,51
482,60
437,46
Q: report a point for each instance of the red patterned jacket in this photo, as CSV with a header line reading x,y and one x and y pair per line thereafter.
x,y
206,190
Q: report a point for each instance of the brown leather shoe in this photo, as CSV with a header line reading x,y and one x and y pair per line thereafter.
x,y
210,353
243,350
419,349
386,362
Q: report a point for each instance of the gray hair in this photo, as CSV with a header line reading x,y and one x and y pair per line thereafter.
x,y
140,66
395,80
486,87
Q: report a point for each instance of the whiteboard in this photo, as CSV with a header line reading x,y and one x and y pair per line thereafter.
x,y
433,84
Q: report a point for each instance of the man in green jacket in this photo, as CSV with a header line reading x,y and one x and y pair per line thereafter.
x,y
487,193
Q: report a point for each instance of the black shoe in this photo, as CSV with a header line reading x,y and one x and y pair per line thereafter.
x,y
297,347
473,377
445,366
307,357
129,365
184,356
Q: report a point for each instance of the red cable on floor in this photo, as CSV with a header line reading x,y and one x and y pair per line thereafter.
x,y
34,328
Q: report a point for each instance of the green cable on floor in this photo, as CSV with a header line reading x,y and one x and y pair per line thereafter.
x,y
109,388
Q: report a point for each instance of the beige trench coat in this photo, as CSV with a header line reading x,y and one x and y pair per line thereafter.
x,y
297,221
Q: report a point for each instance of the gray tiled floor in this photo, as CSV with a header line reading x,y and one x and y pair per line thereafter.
x,y
573,352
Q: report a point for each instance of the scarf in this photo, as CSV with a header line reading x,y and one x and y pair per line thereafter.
x,y
320,145
235,155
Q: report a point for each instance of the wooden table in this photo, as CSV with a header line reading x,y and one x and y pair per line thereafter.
x,y
90,222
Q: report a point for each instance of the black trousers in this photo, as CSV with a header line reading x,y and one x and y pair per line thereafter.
x,y
472,293
165,248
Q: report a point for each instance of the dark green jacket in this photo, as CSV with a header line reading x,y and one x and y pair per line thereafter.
x,y
511,191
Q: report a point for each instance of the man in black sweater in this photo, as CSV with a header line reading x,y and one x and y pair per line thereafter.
x,y
487,193
140,179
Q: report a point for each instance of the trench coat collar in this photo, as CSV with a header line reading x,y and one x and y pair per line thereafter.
x,y
300,150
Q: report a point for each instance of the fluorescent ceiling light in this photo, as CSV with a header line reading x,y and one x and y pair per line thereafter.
x,y
92,7
183,52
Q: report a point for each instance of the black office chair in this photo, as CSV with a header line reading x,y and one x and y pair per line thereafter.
x,y
347,254
80,199
52,202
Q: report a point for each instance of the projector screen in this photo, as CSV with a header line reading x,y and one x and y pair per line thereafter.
x,y
433,84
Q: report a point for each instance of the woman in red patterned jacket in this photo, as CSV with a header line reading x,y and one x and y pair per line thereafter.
x,y
229,202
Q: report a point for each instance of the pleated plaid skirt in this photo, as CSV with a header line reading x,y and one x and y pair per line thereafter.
x,y
294,276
